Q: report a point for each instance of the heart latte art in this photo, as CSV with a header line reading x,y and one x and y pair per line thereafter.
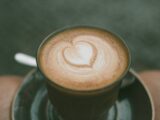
x,y
80,54
83,58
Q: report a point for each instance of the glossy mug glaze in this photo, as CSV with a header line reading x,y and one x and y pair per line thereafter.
x,y
83,68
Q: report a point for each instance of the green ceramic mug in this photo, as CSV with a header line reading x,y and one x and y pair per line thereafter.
x,y
77,100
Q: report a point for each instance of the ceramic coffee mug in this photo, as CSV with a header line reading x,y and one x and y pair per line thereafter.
x,y
62,59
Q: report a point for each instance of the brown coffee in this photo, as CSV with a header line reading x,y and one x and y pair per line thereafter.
x,y
83,58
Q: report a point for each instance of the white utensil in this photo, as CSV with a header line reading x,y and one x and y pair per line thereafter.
x,y
25,59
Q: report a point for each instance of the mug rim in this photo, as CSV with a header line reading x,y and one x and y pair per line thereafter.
x,y
119,79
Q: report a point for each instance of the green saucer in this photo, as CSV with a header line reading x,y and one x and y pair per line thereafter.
x,y
31,102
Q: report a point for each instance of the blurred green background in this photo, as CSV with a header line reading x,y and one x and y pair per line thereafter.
x,y
25,23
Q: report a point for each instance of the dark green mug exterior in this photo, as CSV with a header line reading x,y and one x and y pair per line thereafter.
x,y
82,105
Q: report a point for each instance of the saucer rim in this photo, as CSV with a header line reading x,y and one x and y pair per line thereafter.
x,y
130,70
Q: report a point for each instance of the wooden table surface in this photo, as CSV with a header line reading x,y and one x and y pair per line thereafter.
x,y
25,23
152,81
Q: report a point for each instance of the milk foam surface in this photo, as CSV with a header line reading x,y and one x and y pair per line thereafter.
x,y
83,58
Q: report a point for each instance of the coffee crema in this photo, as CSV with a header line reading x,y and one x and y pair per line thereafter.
x,y
83,58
